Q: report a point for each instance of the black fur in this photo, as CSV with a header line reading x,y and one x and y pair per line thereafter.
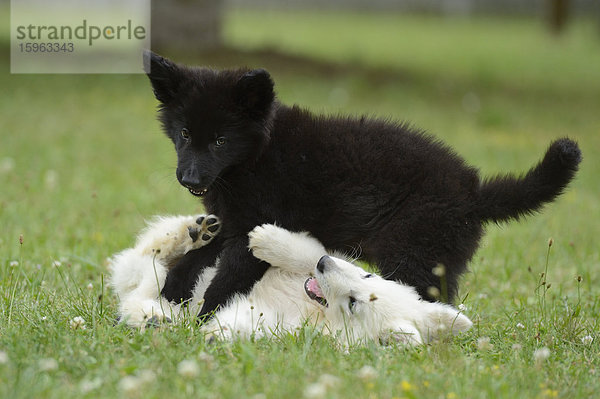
x,y
398,197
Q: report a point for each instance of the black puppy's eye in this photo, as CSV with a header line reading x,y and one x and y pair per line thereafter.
x,y
351,303
185,134
220,141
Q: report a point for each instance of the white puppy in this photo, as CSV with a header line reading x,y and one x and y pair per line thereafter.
x,y
304,286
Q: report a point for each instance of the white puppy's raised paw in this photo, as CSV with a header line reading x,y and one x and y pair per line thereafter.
x,y
297,252
206,227
172,237
267,240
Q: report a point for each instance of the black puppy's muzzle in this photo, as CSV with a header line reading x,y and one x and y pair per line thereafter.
x,y
192,181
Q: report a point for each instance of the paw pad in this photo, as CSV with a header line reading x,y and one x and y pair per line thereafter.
x,y
206,228
194,233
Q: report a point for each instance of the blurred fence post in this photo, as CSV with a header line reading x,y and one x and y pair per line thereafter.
x,y
188,25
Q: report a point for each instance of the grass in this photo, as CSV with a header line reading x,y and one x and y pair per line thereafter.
x,y
83,163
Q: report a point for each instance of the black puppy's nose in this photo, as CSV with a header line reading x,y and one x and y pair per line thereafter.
x,y
190,183
322,264
189,178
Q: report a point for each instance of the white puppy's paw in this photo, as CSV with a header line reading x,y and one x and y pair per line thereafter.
x,y
267,241
205,228
214,332
143,314
259,236
295,252
173,237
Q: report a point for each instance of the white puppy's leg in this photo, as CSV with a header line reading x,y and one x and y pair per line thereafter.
x,y
169,238
295,252
138,274
439,319
405,334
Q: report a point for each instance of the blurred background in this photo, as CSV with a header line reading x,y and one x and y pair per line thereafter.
x,y
83,155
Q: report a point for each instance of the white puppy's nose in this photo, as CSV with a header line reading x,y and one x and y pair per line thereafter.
x,y
323,263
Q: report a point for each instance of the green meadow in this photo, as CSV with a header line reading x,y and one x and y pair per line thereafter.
x,y
83,164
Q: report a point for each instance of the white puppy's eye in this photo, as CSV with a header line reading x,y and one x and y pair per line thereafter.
x,y
351,303
185,134
368,275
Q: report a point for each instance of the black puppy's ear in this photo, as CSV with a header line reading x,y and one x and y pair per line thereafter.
x,y
165,76
254,92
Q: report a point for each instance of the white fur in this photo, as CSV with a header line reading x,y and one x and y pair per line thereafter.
x,y
138,274
383,310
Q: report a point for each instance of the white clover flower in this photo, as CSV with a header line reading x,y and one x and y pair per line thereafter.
x,y
56,263
146,376
78,323
7,165
433,292
462,307
367,373
14,263
90,287
520,325
3,357
588,339
483,344
86,385
188,368
205,357
329,381
315,391
439,270
541,354
130,384
48,364
517,347
51,179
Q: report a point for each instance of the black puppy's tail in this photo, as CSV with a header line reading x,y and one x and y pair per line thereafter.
x,y
506,197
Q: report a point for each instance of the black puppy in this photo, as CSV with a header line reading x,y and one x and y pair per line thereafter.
x,y
396,196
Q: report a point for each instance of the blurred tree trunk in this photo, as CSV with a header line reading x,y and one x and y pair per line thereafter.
x,y
187,25
558,15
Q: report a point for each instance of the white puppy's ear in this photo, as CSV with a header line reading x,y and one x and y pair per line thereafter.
x,y
440,319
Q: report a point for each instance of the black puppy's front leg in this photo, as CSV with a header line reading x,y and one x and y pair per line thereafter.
x,y
237,273
182,278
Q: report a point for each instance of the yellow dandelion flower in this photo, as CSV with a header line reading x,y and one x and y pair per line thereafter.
x,y
406,386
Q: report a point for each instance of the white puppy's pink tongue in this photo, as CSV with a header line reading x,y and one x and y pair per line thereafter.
x,y
312,285
314,292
